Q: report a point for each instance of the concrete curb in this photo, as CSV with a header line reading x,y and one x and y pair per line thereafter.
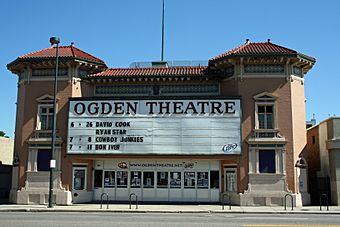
x,y
48,210
170,209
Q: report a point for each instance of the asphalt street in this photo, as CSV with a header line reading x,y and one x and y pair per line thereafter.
x,y
37,219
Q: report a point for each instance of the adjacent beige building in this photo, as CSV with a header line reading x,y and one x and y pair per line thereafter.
x,y
6,150
323,159
6,161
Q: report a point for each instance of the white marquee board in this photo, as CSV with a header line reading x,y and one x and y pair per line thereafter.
x,y
160,127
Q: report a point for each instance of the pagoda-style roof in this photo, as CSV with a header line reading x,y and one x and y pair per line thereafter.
x,y
259,52
64,52
49,54
261,49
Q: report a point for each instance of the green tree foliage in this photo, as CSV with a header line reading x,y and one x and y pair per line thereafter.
x,y
3,134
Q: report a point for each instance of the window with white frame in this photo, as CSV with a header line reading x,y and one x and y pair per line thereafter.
x,y
45,112
265,116
265,111
45,117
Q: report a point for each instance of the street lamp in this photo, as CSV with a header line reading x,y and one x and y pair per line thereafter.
x,y
53,41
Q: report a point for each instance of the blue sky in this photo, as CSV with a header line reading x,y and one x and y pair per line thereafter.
x,y
121,32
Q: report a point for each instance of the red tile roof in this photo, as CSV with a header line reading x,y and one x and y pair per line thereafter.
x,y
64,51
165,71
258,48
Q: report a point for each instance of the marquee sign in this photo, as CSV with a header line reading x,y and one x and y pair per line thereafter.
x,y
160,127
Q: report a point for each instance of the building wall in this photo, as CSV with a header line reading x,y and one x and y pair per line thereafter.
x,y
20,147
247,89
333,147
298,128
26,124
290,122
324,155
334,168
312,156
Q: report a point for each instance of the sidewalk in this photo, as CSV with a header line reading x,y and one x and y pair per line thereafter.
x,y
144,208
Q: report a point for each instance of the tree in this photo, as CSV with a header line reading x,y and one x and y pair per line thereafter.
x,y
3,134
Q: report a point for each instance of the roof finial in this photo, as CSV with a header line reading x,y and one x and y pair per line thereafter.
x,y
247,41
268,40
72,44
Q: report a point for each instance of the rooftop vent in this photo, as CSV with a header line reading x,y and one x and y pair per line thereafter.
x,y
175,63
159,64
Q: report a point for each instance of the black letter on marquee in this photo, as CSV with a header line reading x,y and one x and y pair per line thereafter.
x,y
130,107
119,107
229,107
108,111
202,104
216,106
178,107
151,106
96,108
82,105
192,107
166,107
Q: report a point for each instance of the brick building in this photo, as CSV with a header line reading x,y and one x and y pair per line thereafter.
x,y
166,133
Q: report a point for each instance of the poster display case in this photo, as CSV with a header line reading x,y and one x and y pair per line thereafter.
x,y
189,179
136,179
162,179
109,179
122,179
148,179
175,179
202,180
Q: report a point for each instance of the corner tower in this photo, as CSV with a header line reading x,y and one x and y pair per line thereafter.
x,y
270,80
33,132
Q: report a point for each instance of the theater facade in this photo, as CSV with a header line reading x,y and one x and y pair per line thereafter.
x,y
231,129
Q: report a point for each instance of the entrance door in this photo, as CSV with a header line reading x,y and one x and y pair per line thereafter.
x,y
230,179
79,178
